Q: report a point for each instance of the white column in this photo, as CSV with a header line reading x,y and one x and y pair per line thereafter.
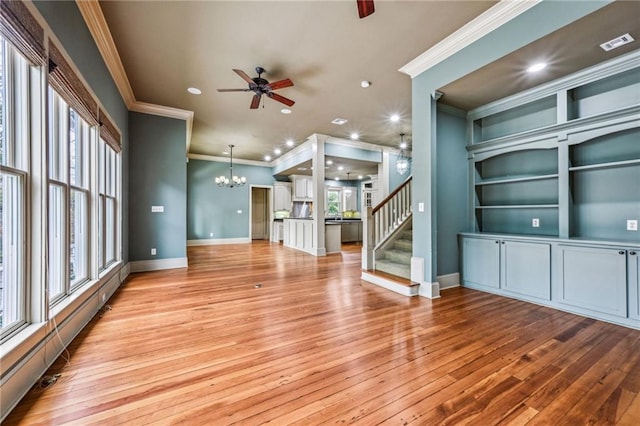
x,y
317,160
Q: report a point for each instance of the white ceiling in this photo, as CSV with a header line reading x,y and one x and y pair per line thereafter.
x,y
326,50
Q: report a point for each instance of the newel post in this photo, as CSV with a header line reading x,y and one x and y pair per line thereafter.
x,y
367,239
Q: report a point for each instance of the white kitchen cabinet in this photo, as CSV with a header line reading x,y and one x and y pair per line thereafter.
x,y
302,188
282,196
350,202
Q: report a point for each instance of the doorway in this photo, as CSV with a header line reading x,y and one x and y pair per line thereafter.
x,y
260,212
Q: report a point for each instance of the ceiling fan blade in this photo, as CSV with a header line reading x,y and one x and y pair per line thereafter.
x,y
281,84
255,102
233,90
365,8
282,99
244,76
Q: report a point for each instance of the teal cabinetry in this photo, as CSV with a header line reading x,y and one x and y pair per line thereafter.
x,y
526,268
481,262
517,267
633,268
593,279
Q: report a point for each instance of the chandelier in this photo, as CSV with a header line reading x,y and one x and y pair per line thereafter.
x,y
231,181
402,163
347,191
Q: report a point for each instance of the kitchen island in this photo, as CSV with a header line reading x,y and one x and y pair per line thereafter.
x,y
298,234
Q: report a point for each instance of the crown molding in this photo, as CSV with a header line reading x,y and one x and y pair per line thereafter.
x,y
94,18
474,30
205,157
97,24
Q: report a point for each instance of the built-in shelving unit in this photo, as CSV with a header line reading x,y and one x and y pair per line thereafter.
x,y
513,188
604,185
555,194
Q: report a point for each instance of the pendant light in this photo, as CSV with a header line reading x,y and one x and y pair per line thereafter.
x,y
231,181
402,163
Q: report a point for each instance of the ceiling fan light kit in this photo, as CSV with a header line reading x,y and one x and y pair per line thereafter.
x,y
260,86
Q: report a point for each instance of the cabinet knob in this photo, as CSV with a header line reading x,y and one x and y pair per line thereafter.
x,y
632,253
621,252
497,242
503,242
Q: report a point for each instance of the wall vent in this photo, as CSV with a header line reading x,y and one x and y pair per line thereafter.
x,y
617,42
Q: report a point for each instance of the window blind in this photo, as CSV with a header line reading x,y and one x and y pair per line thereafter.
x,y
109,133
20,28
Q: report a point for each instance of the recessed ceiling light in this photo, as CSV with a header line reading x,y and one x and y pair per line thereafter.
x,y
354,136
617,42
336,178
364,84
394,118
403,145
537,67
194,90
277,151
285,111
340,168
302,169
329,162
289,142
267,158
339,121
360,176
225,152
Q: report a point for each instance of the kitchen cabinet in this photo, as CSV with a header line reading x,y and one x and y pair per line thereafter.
x,y
282,196
633,268
350,198
298,234
351,231
277,231
302,188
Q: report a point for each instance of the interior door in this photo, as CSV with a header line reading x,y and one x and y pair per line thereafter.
x,y
259,213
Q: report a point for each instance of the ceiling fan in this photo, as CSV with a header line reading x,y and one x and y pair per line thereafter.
x,y
365,8
260,86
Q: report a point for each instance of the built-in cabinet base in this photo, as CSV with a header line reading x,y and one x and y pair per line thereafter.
x,y
593,278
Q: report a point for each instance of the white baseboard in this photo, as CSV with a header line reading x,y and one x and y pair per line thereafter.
x,y
218,241
158,264
449,280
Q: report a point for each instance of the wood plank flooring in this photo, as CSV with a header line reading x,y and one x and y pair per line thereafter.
x,y
257,333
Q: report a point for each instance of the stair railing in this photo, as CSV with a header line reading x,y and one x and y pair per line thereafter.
x,y
379,222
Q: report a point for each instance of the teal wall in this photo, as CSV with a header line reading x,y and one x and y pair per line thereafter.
x,y
452,188
67,23
214,210
158,177
343,151
542,19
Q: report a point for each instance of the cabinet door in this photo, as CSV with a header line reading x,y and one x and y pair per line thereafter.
x,y
350,202
300,188
309,188
481,262
633,262
282,197
526,268
593,279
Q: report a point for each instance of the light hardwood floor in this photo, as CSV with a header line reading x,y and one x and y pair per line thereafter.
x,y
313,344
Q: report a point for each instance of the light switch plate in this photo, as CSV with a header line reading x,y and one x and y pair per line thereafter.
x,y
535,222
153,252
421,207
632,225
157,209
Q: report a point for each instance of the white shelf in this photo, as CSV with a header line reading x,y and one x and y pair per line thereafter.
x,y
605,165
498,181
519,206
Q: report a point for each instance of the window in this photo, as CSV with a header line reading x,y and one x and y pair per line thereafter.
x,y
334,207
14,143
107,230
69,145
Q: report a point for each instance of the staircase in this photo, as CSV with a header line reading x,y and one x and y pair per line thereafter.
x,y
387,245
396,258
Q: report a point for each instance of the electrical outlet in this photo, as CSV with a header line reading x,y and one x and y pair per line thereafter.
x,y
632,225
535,222
153,252
211,234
